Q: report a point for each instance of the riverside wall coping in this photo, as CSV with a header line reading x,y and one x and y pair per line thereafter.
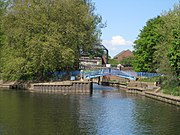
x,y
60,83
175,100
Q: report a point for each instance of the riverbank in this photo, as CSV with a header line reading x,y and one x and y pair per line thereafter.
x,y
150,90
65,87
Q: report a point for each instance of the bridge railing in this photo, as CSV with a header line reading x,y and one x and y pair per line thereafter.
x,y
108,71
116,72
92,74
103,72
60,75
124,74
144,74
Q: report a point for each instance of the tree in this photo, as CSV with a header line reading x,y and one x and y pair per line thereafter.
x,y
168,50
158,47
113,62
47,36
145,46
127,62
3,7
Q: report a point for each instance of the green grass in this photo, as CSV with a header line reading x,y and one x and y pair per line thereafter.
x,y
172,91
169,85
151,79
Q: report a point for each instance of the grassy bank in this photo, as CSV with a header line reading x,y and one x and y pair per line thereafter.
x,y
169,85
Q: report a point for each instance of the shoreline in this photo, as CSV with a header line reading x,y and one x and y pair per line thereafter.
x,y
142,88
154,94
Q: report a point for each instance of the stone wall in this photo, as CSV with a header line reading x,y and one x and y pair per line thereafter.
x,y
66,87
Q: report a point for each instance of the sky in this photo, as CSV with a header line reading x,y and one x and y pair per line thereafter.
x,y
125,19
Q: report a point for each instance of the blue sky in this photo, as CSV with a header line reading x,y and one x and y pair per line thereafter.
x,y
125,19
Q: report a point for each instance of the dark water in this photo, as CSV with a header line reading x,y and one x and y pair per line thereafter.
x,y
106,112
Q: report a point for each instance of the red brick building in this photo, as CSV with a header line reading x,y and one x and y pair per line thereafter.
x,y
123,54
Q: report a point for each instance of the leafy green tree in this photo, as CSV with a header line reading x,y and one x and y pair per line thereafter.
x,y
3,7
158,47
127,62
113,62
168,50
47,36
145,46
174,53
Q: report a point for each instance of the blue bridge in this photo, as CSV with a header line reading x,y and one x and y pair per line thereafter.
x,y
94,73
106,72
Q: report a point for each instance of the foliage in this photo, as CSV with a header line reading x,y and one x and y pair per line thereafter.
x,y
174,54
158,46
3,7
113,62
151,79
46,36
145,46
127,62
171,86
158,49
168,50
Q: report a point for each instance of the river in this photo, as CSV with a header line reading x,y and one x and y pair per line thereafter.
x,y
107,112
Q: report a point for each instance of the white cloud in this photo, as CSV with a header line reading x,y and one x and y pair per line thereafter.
x,y
116,41
117,44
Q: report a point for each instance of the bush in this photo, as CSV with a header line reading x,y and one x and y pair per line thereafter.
x,y
152,79
171,86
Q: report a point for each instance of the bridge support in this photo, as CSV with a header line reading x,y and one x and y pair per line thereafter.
x,y
99,80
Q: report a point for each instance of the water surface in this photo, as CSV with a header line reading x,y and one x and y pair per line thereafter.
x,y
106,112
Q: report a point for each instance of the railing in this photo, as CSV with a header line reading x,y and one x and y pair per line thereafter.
x,y
143,74
103,72
108,71
59,75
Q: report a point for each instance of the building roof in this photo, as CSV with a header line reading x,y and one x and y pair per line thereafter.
x,y
122,53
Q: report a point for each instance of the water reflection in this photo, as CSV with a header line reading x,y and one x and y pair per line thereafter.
x,y
156,118
107,112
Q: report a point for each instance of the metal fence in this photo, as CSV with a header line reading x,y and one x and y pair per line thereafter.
x,y
144,74
60,75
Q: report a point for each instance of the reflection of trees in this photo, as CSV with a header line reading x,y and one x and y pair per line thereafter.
x,y
12,117
155,118
54,114
41,114
23,113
